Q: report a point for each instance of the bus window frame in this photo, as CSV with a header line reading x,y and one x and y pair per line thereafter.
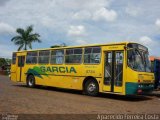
x,y
31,63
15,58
51,57
41,56
127,60
93,63
74,54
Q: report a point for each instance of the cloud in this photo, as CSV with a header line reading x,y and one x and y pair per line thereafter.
x,y
95,10
133,10
83,4
47,21
105,14
153,45
146,40
82,15
6,29
77,30
157,23
81,42
101,14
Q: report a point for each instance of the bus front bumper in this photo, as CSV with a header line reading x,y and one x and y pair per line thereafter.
x,y
138,88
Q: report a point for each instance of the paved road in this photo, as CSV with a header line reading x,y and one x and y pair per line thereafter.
x,y
17,99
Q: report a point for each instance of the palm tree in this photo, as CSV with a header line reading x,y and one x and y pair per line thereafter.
x,y
25,38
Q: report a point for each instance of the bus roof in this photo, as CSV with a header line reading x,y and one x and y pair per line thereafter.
x,y
89,45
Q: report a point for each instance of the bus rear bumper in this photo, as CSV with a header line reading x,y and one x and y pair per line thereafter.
x,y
138,88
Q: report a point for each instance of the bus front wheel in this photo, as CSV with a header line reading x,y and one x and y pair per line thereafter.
x,y
91,88
31,81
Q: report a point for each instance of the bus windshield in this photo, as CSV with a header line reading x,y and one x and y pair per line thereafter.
x,y
138,58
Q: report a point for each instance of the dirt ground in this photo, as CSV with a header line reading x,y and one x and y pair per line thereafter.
x,y
18,99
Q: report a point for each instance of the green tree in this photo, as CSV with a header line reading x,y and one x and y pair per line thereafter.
x,y
25,38
2,62
61,45
8,61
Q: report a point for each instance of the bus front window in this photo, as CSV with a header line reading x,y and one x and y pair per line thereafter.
x,y
148,63
138,58
135,60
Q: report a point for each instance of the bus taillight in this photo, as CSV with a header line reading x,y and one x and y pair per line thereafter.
x,y
139,91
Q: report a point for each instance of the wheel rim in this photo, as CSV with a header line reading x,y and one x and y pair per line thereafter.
x,y
91,87
30,82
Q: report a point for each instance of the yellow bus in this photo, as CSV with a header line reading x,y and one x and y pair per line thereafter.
x,y
118,68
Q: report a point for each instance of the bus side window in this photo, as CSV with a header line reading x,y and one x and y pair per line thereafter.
x,y
44,57
92,55
73,55
31,58
57,57
14,58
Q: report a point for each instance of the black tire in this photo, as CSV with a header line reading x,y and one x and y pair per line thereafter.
x,y
31,81
91,88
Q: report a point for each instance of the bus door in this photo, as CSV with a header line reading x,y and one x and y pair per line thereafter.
x,y
21,60
113,71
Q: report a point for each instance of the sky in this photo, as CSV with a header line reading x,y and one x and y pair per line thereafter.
x,y
81,22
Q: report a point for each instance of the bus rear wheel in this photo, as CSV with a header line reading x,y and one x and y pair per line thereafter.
x,y
31,81
91,88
